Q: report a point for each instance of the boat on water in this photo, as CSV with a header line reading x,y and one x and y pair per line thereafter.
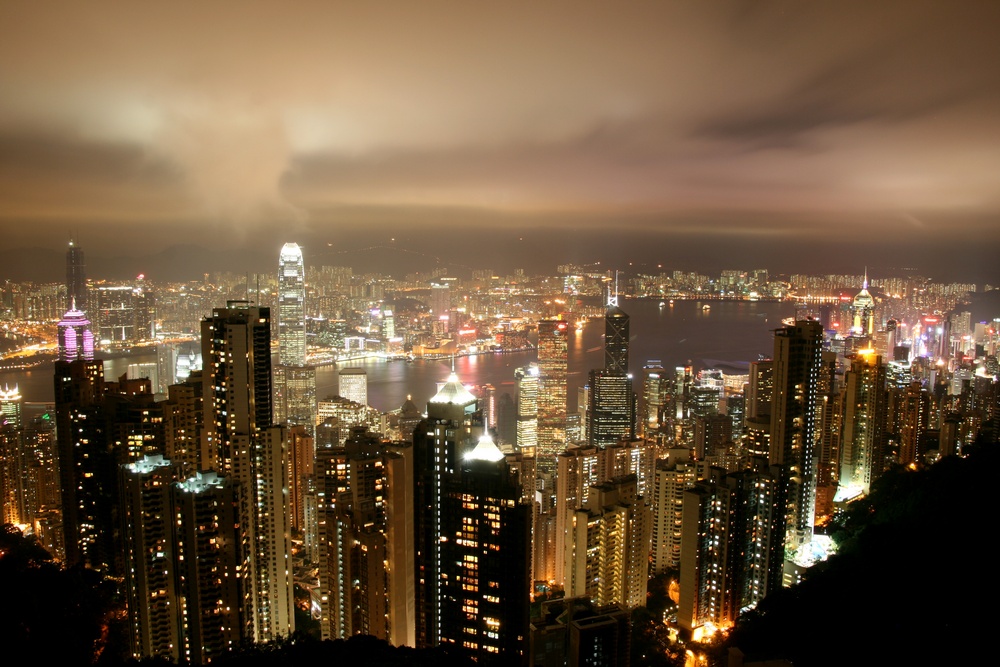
x,y
706,307
662,304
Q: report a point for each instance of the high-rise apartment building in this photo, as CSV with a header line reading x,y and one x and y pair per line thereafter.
x,y
486,540
731,545
244,444
154,607
797,357
451,429
671,479
862,449
366,568
607,545
576,473
353,383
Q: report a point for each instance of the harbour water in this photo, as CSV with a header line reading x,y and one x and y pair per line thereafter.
x,y
725,335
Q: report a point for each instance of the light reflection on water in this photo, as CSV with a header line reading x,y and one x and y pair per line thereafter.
x,y
728,331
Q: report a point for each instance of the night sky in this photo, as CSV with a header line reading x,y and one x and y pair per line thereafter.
x,y
790,135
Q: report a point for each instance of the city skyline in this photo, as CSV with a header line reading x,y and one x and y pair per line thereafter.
x,y
781,135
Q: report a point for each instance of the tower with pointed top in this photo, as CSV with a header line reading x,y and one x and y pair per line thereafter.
x,y
863,312
76,278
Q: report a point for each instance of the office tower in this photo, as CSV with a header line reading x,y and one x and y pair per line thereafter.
x,y
291,306
207,566
655,393
865,415
552,361
731,546
863,312
123,314
75,338
616,338
154,608
507,419
757,423
486,538
612,403
611,413
712,433
353,383
14,508
451,429
295,396
672,478
366,560
527,381
607,546
797,358
574,632
243,444
488,404
76,279
576,472
440,302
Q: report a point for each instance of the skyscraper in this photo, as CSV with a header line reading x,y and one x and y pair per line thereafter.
x,y
76,279
796,367
243,444
291,306
612,409
451,429
865,414
485,542
153,605
552,365
526,378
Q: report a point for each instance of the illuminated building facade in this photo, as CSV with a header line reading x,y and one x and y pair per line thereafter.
x,y
862,454
123,314
576,472
451,429
154,607
486,540
526,378
76,279
670,480
552,361
607,545
796,363
353,384
732,545
244,444
291,306
611,413
366,541
14,490
75,338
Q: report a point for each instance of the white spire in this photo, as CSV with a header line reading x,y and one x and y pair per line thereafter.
x,y
486,450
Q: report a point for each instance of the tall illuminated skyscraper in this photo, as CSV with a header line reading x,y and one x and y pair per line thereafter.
x,y
13,461
798,352
862,447
450,430
244,444
527,407
552,365
291,306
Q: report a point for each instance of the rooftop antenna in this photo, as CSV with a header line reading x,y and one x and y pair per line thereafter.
x,y
613,300
865,284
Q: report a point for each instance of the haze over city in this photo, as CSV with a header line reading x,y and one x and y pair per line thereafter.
x,y
796,136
